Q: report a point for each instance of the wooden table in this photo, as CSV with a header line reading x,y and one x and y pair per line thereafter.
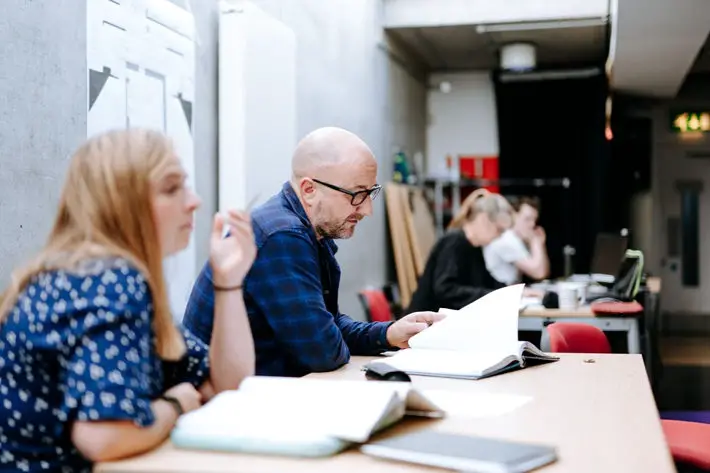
x,y
600,415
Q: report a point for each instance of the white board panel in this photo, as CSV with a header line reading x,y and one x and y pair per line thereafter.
x,y
257,104
141,69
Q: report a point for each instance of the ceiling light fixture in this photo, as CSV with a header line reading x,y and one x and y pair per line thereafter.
x,y
518,57
549,75
541,25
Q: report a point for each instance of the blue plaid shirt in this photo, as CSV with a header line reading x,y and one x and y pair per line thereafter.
x,y
291,295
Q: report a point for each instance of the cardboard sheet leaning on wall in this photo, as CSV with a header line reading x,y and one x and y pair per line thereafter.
x,y
412,233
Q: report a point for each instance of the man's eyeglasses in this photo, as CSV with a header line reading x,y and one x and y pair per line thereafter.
x,y
356,197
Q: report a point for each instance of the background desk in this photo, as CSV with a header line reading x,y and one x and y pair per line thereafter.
x,y
536,319
601,416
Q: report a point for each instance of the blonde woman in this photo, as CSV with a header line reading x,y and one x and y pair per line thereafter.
x,y
91,365
455,274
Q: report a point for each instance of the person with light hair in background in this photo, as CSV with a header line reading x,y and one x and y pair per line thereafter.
x,y
455,274
520,250
92,367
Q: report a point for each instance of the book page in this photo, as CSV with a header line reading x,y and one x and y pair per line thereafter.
x,y
300,407
528,349
319,403
486,325
447,362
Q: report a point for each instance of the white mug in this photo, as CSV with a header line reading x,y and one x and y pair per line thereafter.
x,y
569,296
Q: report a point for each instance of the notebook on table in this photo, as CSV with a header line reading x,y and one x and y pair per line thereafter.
x,y
298,416
462,452
477,341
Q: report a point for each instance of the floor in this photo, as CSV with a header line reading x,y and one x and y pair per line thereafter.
x,y
685,351
684,380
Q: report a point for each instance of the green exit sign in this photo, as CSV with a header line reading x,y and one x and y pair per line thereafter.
x,y
687,122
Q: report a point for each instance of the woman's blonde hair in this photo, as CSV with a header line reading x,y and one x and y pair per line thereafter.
x,y
481,200
104,211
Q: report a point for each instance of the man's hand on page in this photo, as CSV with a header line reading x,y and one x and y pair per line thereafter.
x,y
399,333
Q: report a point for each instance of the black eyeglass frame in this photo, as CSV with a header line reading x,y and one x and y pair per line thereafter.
x,y
373,192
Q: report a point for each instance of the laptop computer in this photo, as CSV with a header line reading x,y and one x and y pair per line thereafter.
x,y
609,250
627,280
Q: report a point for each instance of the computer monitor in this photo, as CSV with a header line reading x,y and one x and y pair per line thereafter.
x,y
609,251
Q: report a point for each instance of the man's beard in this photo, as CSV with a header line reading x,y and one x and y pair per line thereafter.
x,y
334,231
337,231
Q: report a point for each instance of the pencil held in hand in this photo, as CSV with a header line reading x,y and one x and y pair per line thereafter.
x,y
248,208
231,256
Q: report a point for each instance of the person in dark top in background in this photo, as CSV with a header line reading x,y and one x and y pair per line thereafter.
x,y
455,274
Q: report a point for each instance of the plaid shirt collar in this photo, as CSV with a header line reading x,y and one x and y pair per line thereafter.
x,y
294,203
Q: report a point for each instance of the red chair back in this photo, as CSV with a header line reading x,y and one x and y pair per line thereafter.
x,y
377,308
689,442
572,337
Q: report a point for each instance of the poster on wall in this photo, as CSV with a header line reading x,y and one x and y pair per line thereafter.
x,y
141,69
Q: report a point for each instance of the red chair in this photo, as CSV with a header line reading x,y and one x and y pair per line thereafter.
x,y
689,442
377,308
571,337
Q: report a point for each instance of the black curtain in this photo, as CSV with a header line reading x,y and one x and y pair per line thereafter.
x,y
555,129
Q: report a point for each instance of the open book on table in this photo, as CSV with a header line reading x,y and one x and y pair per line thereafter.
x,y
477,341
298,416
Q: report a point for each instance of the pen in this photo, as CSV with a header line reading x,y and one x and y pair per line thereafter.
x,y
252,202
249,206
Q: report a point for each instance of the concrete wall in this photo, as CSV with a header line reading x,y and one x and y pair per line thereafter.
x,y
462,121
345,78
671,163
42,117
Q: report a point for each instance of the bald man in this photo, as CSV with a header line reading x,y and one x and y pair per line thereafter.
x,y
291,291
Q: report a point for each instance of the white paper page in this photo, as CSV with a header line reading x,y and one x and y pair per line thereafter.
x,y
476,405
486,324
236,414
251,415
319,403
448,312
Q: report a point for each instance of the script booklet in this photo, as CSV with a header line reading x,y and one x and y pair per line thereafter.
x,y
477,341
299,416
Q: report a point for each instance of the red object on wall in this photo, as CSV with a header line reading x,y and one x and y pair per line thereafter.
x,y
480,167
